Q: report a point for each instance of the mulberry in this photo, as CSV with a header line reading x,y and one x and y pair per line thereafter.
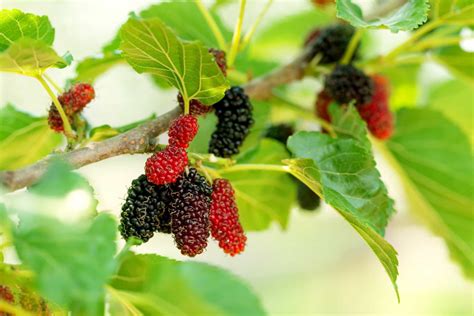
x,y
189,209
377,113
78,96
323,100
196,108
219,56
234,113
224,218
145,210
165,166
280,132
347,83
331,42
182,131
54,119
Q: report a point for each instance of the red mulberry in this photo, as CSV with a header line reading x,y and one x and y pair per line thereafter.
x,y
166,166
224,217
189,211
54,119
182,131
78,96
219,56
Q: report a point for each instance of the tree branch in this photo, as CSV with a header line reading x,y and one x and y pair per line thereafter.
x,y
141,138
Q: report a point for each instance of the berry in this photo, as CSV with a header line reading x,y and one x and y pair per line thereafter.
x,y
322,2
311,36
189,209
307,199
182,131
224,218
377,113
323,100
219,55
331,42
347,83
195,107
77,97
165,166
234,114
145,210
280,132
54,119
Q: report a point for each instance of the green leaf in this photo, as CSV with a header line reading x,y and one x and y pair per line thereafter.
x,y
463,14
24,139
459,95
30,58
406,18
348,123
457,61
263,196
196,27
404,88
155,285
149,46
72,263
435,158
89,69
348,176
15,24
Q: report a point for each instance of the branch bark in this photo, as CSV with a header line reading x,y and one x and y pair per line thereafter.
x,y
141,139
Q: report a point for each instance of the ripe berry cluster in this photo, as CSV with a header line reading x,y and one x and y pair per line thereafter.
x,y
73,102
307,199
234,114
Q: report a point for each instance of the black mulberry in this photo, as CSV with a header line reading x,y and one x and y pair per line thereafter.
x,y
347,83
234,113
145,210
331,42
189,209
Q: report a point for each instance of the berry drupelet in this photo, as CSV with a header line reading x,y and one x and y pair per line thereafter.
x,y
189,209
234,114
145,210
347,83
182,131
165,166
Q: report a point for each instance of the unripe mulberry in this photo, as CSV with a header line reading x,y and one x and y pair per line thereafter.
x,y
331,42
54,119
347,83
182,131
145,210
78,96
219,56
377,113
234,114
196,108
224,218
189,211
165,166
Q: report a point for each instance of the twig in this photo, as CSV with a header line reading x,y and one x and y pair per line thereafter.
x,y
141,139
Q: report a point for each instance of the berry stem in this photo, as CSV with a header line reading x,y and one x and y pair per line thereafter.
x,y
248,36
260,167
236,38
53,83
212,25
67,126
351,48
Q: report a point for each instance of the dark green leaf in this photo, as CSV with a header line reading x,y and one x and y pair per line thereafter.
x,y
263,196
408,17
436,160
24,138
15,24
154,285
347,123
150,46
30,57
72,263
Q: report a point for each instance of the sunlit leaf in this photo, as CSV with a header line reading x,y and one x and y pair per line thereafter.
x,y
459,62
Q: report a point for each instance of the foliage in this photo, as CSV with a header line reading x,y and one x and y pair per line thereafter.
x,y
67,249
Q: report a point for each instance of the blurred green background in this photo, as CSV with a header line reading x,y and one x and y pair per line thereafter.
x,y
319,266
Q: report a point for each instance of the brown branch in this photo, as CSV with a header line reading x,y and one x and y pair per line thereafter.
x,y
141,138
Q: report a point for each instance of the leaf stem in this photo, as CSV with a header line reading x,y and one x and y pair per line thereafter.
x,y
212,25
436,42
67,126
248,36
53,83
259,167
236,38
351,48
